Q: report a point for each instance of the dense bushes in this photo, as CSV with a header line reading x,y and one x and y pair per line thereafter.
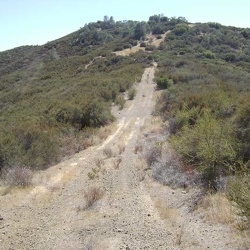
x,y
211,41
180,29
208,145
29,145
164,82
239,193
209,124
242,127
58,103
96,114
63,96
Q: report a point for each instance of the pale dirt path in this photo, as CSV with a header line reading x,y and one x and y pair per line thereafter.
x,y
47,216
150,40
91,62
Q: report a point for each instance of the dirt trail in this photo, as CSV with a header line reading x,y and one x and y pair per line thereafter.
x,y
150,40
50,215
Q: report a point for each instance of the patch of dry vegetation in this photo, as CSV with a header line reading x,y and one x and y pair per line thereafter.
x,y
138,149
108,152
167,213
91,196
17,176
216,208
239,192
99,162
121,149
117,163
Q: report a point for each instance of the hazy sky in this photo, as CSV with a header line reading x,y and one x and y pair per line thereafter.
x,y
35,22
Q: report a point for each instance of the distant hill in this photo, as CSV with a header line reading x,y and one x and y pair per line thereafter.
x,y
54,96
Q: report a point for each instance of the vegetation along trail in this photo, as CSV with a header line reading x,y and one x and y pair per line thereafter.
x,y
103,198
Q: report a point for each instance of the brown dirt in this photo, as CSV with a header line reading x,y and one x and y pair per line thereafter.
x,y
127,52
150,40
135,211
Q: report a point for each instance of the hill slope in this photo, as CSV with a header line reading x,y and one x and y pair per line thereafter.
x,y
56,100
133,211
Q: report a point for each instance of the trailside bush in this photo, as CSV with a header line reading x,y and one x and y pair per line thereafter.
x,y
242,127
185,117
131,93
96,114
69,114
208,145
29,144
164,82
120,101
239,193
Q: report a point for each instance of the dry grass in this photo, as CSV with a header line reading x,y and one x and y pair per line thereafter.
x,y
172,216
86,143
108,152
17,176
238,192
121,149
216,208
141,175
179,234
156,42
92,195
99,162
117,163
127,52
138,149
167,213
103,133
152,155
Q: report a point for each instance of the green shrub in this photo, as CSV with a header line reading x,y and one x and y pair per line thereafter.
x,y
180,29
208,145
96,114
185,117
242,127
239,193
164,82
150,48
69,114
209,54
131,93
120,101
36,146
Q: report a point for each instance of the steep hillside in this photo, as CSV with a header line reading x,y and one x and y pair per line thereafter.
x,y
52,96
127,135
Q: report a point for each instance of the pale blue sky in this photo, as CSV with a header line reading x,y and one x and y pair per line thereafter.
x,y
35,22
